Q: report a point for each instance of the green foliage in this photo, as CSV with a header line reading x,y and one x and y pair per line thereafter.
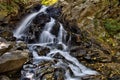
x,y
4,6
112,26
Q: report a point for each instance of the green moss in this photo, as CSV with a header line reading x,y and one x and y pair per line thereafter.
x,y
112,26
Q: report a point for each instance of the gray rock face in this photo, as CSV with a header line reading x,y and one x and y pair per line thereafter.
x,y
13,60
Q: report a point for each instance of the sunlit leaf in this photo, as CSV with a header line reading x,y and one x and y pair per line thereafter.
x,y
48,2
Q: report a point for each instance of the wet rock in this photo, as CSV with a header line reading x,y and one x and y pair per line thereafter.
x,y
45,71
58,56
55,29
41,19
9,61
21,45
59,46
3,77
54,12
42,51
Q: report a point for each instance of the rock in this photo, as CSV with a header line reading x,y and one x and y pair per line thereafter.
x,y
42,70
9,61
36,8
55,29
43,51
21,45
58,56
8,35
2,39
75,39
3,77
41,19
90,54
4,46
78,51
98,56
59,46
54,12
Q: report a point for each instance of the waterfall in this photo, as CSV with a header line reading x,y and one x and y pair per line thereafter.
x,y
47,39
46,36
26,22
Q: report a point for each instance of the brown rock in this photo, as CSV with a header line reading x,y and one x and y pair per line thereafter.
x,y
3,77
8,35
14,60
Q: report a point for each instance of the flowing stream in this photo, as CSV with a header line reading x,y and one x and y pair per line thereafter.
x,y
68,63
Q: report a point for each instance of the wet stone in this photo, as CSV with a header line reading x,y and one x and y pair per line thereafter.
x,y
43,51
43,70
55,29
41,19
59,46
21,45
58,56
54,12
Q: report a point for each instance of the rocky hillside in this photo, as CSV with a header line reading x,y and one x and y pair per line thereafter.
x,y
94,26
99,22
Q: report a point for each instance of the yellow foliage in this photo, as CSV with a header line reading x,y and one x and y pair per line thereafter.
x,y
48,2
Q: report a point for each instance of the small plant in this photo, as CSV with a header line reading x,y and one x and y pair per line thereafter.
x,y
112,26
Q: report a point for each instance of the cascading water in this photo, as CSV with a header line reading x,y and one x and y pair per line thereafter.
x,y
26,22
73,70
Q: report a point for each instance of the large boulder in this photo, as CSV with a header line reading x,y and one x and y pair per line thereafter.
x,y
13,60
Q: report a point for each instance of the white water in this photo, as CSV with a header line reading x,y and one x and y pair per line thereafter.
x,y
61,34
46,37
26,22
